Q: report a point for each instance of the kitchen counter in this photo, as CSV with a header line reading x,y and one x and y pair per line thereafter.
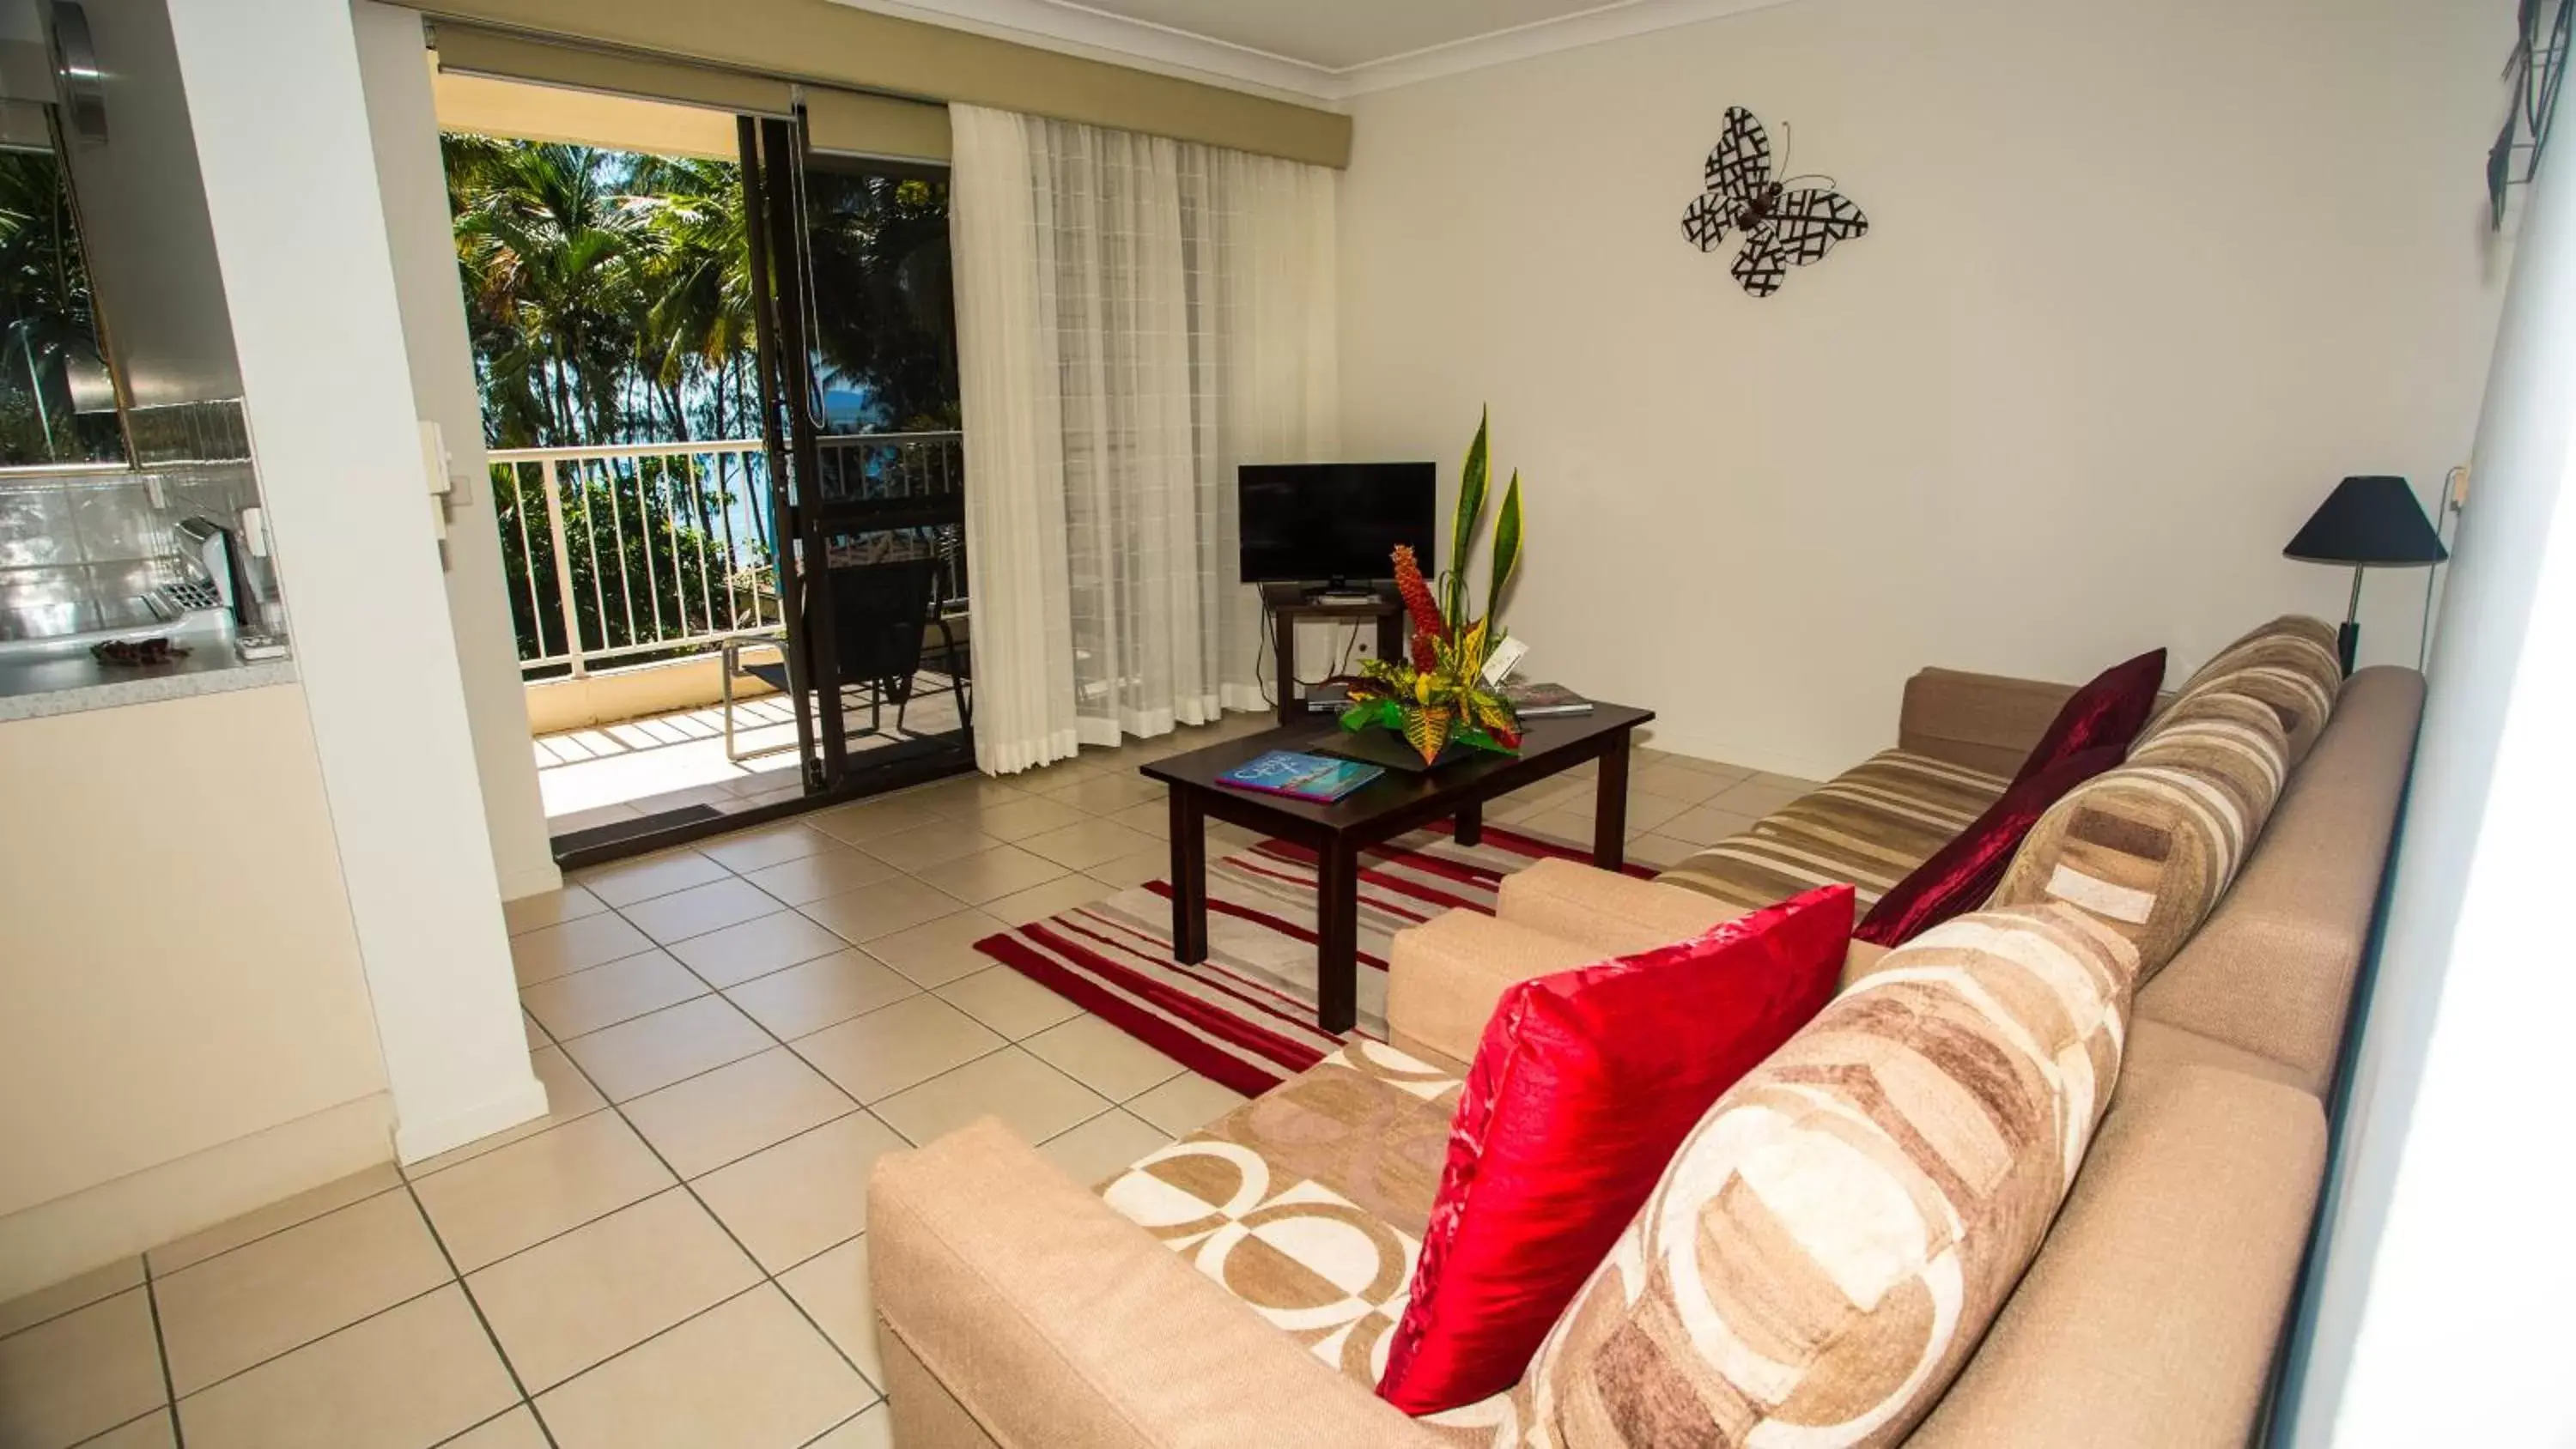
x,y
32,688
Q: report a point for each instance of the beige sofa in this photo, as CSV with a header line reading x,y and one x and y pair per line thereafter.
x,y
1018,1308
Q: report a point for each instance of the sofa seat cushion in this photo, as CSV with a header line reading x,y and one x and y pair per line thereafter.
x,y
1869,827
1831,1240
1308,1203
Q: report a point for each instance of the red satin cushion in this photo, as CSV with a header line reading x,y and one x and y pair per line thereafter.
x,y
1583,1087
2108,712
1962,874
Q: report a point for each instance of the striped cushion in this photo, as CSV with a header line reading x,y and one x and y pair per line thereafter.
x,y
2150,847
1869,826
2289,664
1832,1240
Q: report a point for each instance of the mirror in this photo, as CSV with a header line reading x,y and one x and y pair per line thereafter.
x,y
58,401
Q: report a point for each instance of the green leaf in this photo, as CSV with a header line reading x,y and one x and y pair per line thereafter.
x,y
1507,546
1472,484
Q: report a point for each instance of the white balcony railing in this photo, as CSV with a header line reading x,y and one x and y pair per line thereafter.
x,y
629,552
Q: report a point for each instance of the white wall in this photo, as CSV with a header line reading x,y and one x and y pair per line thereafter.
x,y
2439,1315
404,127
281,126
2143,282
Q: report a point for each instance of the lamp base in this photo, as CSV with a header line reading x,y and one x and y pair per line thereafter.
x,y
2348,645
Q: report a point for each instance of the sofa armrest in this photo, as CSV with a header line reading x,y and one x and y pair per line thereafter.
x,y
1610,914
1050,1320
1983,721
1444,976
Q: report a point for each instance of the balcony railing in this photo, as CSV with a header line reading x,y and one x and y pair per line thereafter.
x,y
633,552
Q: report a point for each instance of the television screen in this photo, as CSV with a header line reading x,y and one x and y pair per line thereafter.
x,y
1334,522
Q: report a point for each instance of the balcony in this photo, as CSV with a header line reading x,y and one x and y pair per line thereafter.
x,y
632,566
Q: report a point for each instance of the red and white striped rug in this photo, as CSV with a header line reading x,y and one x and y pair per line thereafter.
x,y
1246,1016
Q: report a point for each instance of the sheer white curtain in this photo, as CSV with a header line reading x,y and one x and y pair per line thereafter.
x,y
1136,318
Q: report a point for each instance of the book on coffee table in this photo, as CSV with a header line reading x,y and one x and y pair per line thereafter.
x,y
1544,701
1318,778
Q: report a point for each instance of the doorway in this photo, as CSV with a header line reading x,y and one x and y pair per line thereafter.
x,y
720,398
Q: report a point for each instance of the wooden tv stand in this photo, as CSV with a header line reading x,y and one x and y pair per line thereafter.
x,y
1291,604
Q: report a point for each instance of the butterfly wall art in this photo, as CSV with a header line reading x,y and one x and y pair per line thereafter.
x,y
1784,225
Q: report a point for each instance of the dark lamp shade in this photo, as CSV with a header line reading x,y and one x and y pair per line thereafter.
x,y
2374,522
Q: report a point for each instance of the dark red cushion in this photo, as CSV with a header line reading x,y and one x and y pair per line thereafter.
x,y
2108,712
1962,874
1583,1087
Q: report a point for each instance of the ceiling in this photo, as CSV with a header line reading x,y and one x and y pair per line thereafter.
x,y
1321,49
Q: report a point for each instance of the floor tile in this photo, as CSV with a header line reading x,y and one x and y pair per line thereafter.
x,y
1093,842
1795,784
1756,797
807,998
569,1096
750,1374
522,1194
1031,1098
1103,1147
1705,825
1102,1057
404,1379
1020,819
155,1430
1185,1104
626,882
71,1293
756,947
866,820
1564,827
825,873
276,1217
1659,852
634,1057
80,1374
516,1429
928,845
1153,818
1130,871
833,1290
990,874
585,1001
551,951
259,1300
550,908
745,851
699,909
965,795
1108,792
711,1119
879,1054
862,915
1052,898
810,1192
599,1290
536,1035
1008,1002
873,1429
941,951
1674,782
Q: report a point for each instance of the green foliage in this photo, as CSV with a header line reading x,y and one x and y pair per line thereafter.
x,y
1507,547
1471,511
47,326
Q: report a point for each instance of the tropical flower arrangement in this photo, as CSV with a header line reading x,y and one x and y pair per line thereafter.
x,y
1439,694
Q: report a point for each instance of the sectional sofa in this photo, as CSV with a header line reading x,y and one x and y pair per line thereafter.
x,y
2042,1176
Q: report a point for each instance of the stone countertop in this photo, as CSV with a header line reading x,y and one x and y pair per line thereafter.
x,y
36,688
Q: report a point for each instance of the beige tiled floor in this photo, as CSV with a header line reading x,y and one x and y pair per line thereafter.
x,y
730,1036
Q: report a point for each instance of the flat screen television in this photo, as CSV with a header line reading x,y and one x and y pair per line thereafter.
x,y
1334,522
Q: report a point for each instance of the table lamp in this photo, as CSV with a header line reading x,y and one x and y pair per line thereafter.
x,y
2369,523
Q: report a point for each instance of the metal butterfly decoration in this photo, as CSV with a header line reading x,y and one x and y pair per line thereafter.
x,y
1783,227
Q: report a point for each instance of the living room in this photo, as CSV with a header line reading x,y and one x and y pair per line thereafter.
x,y
2151,1061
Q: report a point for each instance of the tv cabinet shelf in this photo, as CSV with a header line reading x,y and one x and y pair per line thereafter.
x,y
1292,604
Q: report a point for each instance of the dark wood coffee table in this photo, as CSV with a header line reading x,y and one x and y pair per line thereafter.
x,y
1389,806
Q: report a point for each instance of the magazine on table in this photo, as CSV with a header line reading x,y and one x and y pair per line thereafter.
x,y
1317,778
1532,700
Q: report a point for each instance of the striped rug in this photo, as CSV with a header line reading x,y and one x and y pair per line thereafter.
x,y
1246,1016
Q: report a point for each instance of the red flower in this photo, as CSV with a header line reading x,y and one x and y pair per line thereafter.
x,y
1417,598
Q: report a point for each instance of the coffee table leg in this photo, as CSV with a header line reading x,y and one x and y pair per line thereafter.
x,y
1610,810
1337,919
1189,878
1471,825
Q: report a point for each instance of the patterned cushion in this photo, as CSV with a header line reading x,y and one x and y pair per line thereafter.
x,y
2150,847
2289,664
1834,1237
1869,826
